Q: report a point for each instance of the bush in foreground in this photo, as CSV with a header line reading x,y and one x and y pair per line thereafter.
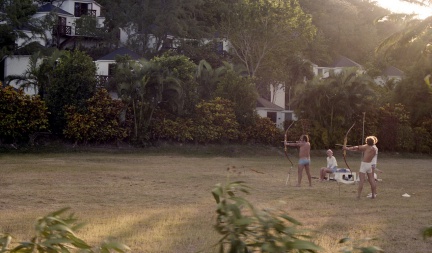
x,y
56,234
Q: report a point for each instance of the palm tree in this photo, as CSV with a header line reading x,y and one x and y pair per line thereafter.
x,y
208,78
145,86
333,102
38,74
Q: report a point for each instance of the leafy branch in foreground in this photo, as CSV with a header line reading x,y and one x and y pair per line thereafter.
x,y
355,246
245,229
55,234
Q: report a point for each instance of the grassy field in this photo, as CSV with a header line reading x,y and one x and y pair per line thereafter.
x,y
160,200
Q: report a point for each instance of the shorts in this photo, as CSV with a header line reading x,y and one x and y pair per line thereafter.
x,y
304,161
334,169
365,167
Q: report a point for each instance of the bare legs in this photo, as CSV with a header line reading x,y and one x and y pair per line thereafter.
x,y
372,183
323,173
300,174
361,182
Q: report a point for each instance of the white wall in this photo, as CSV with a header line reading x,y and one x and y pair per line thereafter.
x,y
69,5
17,65
102,67
277,93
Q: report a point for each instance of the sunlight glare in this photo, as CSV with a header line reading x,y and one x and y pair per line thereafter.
x,y
398,6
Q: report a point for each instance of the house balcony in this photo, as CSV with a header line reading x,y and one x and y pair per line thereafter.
x,y
62,30
79,13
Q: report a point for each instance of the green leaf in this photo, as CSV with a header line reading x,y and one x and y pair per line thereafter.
x,y
344,240
305,245
217,192
79,243
290,219
119,247
427,232
371,249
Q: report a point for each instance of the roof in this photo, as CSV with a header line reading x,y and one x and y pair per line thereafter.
x,y
51,8
264,103
344,62
392,71
120,52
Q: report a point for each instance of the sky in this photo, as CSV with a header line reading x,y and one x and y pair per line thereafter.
x,y
398,6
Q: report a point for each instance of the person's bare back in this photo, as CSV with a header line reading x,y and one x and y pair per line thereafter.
x,y
368,153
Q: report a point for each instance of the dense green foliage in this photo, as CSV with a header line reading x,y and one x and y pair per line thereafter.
x,y
21,115
244,228
55,233
73,82
100,121
14,15
272,42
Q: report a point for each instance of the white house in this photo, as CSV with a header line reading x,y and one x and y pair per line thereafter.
x,y
389,74
106,65
63,34
275,109
337,67
65,30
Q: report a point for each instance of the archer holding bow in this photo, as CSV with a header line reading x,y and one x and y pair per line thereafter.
x,y
366,164
304,157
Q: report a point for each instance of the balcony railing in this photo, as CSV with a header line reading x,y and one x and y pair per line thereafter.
x,y
62,30
102,81
89,33
79,13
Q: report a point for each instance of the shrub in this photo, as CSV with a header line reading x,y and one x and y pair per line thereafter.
x,y
245,229
264,131
100,122
21,115
215,121
56,234
166,126
74,81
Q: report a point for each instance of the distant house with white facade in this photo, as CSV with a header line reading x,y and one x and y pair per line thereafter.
x,y
390,74
337,67
275,109
64,33
65,29
106,65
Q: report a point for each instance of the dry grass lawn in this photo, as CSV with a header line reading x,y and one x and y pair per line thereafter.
x,y
156,201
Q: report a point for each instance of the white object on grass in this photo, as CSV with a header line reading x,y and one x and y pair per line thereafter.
x,y
406,195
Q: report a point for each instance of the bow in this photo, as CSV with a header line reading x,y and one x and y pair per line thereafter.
x,y
344,146
286,152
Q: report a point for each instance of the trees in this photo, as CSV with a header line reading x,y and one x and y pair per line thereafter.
x,y
14,15
259,30
147,85
335,102
39,72
182,69
241,91
21,115
73,82
155,21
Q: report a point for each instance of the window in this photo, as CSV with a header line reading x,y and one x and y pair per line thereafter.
x,y
272,116
111,69
81,9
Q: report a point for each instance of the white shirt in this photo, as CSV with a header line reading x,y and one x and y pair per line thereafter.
x,y
331,162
